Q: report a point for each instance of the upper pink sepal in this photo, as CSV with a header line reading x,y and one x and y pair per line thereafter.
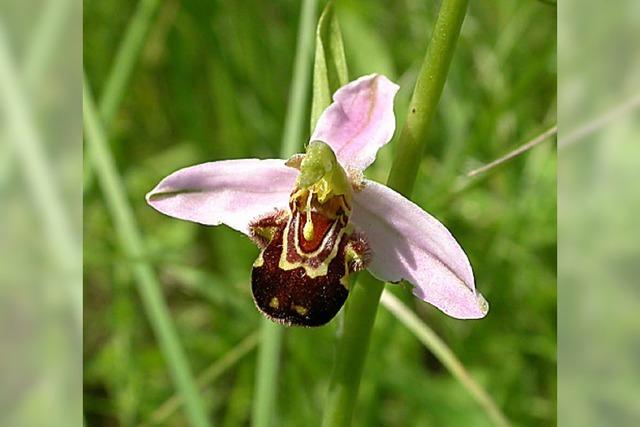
x,y
231,192
359,121
408,243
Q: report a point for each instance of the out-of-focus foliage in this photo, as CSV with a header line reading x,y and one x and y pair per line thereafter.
x,y
597,214
212,83
41,210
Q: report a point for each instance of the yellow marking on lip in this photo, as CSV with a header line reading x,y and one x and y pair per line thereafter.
x,y
274,303
265,232
323,268
300,310
307,230
259,262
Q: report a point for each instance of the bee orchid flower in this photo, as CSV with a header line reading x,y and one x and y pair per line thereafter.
x,y
316,219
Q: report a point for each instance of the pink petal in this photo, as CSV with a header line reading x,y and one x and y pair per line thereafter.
x,y
231,192
359,121
408,243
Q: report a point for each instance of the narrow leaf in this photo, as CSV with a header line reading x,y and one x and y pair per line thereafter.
x,y
330,65
445,355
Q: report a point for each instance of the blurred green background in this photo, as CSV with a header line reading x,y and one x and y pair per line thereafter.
x,y
211,83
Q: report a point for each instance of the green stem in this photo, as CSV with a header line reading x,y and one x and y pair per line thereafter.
x,y
146,280
365,295
426,95
352,349
265,393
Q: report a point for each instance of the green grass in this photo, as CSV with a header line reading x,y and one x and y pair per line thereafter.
x,y
212,81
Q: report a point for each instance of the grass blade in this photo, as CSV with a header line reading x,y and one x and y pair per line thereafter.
x,y
125,60
45,39
444,354
515,153
123,65
330,65
28,147
272,334
298,96
146,280
209,375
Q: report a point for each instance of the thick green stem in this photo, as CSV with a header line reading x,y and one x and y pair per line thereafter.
x,y
353,345
266,385
365,296
426,95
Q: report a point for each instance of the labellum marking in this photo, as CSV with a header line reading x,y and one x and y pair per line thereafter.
x,y
316,254
292,297
301,275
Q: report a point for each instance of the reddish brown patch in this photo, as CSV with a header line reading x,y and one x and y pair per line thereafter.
x,y
321,225
328,244
301,300
292,297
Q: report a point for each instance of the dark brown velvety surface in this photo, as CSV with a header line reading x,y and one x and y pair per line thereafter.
x,y
301,300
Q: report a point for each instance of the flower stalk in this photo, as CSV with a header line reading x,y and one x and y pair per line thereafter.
x,y
352,348
426,95
353,343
